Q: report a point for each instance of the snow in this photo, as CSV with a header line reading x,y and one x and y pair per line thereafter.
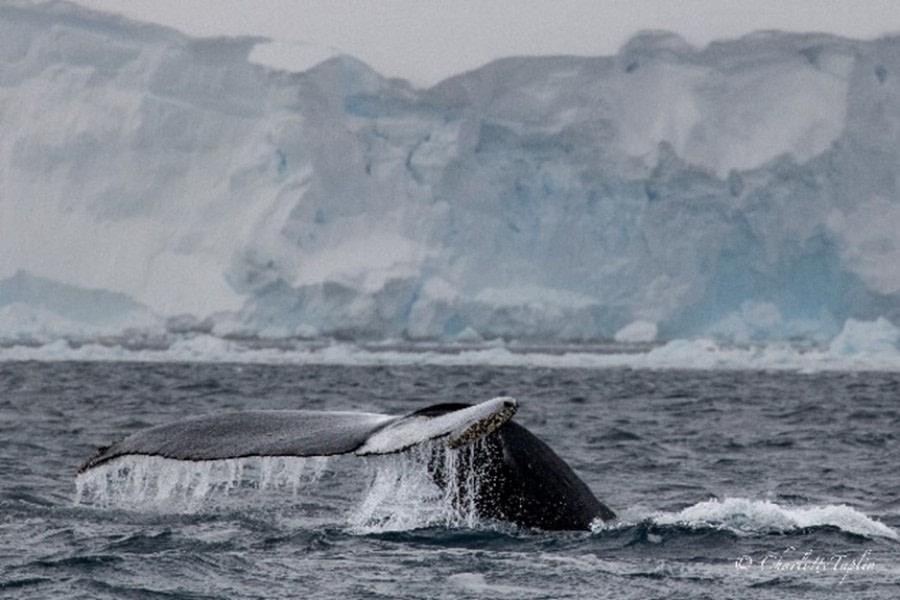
x,y
182,196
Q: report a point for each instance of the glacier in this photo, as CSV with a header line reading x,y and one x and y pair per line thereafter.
x,y
158,188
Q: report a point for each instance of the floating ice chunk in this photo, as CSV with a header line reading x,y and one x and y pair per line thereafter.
x,y
637,332
468,335
879,338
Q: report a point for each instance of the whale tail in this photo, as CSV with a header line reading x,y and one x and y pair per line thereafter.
x,y
521,479
305,433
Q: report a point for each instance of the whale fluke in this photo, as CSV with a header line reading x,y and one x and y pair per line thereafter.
x,y
304,433
523,480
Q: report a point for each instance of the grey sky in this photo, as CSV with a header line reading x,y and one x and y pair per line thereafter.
x,y
426,40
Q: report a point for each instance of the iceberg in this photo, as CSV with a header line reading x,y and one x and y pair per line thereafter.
x,y
34,310
158,186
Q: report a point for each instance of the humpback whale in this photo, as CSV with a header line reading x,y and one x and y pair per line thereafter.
x,y
522,480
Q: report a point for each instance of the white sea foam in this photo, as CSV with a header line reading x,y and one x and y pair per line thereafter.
x,y
399,492
148,482
750,517
403,494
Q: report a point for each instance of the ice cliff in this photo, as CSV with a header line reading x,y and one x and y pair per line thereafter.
x,y
155,184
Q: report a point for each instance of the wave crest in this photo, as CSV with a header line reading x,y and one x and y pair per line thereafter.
x,y
745,517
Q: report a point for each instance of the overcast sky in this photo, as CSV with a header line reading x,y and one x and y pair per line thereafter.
x,y
425,41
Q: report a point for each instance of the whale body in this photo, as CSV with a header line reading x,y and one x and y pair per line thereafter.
x,y
522,480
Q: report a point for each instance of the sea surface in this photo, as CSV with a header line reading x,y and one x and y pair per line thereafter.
x,y
728,484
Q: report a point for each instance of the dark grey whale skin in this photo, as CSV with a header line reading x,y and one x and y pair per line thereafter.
x,y
522,479
248,433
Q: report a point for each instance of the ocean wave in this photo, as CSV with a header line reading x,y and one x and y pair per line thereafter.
x,y
746,517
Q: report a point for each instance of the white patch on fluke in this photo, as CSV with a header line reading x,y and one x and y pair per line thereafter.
x,y
463,426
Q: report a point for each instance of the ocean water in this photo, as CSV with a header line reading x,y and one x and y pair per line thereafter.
x,y
728,484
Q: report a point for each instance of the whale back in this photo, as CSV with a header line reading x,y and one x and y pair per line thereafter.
x,y
538,488
522,480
